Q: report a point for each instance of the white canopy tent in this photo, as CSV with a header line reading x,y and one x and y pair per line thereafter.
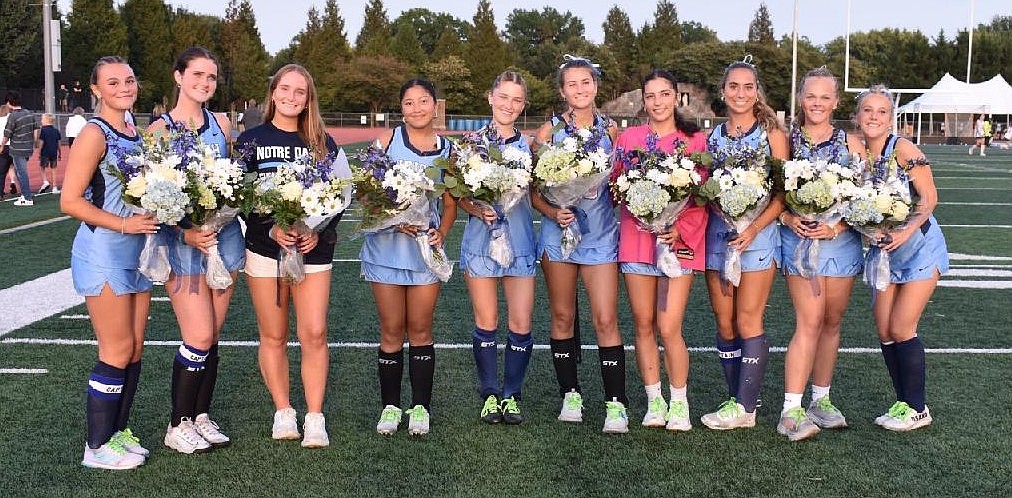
x,y
953,98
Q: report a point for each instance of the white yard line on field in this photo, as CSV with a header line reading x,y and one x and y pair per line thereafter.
x,y
976,284
29,302
23,371
975,204
467,346
964,272
976,226
33,225
976,257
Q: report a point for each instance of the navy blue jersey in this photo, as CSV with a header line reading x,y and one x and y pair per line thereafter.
x,y
50,138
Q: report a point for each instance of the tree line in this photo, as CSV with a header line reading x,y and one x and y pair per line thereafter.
x,y
463,56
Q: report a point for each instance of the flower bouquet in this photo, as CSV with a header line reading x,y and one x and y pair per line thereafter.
x,y
656,187
881,204
571,169
495,177
153,182
306,194
739,190
214,185
396,193
817,191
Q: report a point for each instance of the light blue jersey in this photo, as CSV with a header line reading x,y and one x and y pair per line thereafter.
x,y
595,216
392,257
474,247
188,260
839,257
765,248
99,255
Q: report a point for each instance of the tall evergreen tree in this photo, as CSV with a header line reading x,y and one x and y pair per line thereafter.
x,y
149,41
195,30
484,52
375,38
244,57
20,44
694,32
659,41
538,37
406,48
94,30
321,47
620,40
448,44
760,30
429,26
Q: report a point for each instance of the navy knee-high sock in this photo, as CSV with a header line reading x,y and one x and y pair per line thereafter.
x,y
486,361
910,357
206,392
390,368
421,370
755,353
188,372
105,392
892,365
130,380
518,355
613,373
564,358
730,362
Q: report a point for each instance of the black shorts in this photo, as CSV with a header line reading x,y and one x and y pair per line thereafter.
x,y
47,162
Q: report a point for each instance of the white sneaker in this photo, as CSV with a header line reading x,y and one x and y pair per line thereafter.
x,y
23,202
56,190
418,420
826,415
572,407
286,425
616,421
678,416
390,419
796,425
210,431
656,415
129,442
111,456
315,429
730,415
907,419
185,439
895,409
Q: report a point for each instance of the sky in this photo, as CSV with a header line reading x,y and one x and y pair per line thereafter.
x,y
818,20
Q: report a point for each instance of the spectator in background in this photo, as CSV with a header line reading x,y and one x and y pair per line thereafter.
x,y
5,156
49,154
77,97
978,135
63,96
75,123
21,132
987,132
251,117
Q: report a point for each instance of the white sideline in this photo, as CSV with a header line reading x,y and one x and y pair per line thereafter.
x,y
33,225
23,371
29,302
374,345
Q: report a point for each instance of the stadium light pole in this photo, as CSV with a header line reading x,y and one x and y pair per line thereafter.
x,y
794,64
49,102
969,49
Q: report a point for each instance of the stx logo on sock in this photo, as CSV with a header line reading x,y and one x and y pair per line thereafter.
x,y
487,344
750,361
727,355
609,363
517,348
561,355
422,358
384,361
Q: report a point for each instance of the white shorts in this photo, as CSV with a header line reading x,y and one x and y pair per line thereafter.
x,y
259,266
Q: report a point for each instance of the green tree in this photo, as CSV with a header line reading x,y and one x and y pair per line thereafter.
x,y
195,30
374,39
20,44
538,38
320,47
760,30
429,26
371,82
694,32
149,40
621,67
244,57
658,41
454,78
406,48
94,30
448,44
484,52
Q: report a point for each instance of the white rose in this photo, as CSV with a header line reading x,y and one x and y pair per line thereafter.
x,y
291,191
